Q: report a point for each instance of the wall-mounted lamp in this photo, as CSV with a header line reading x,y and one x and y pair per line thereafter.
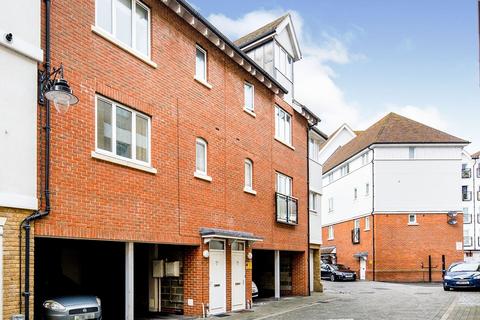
x,y
206,254
249,256
56,89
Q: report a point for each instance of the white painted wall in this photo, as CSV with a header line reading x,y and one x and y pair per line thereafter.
x,y
341,190
18,105
430,182
315,180
471,207
341,138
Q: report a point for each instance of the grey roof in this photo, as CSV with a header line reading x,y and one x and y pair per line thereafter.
x,y
326,250
221,233
264,31
227,41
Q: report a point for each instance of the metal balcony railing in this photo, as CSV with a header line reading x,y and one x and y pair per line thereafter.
x,y
467,195
466,173
356,235
467,241
286,209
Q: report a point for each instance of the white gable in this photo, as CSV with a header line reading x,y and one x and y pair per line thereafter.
x,y
341,137
285,35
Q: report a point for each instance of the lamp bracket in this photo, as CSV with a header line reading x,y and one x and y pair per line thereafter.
x,y
46,79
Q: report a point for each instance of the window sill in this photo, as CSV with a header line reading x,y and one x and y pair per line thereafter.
x,y
366,229
330,239
203,82
285,144
251,191
123,46
202,176
412,224
250,112
123,162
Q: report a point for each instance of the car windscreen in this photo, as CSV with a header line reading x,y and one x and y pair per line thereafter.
x,y
339,267
465,267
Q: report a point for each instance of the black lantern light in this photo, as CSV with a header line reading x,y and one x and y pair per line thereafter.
x,y
56,89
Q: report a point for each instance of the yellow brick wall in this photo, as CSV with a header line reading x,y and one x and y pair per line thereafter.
x,y
11,272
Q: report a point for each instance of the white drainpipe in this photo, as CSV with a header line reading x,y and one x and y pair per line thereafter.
x,y
2,223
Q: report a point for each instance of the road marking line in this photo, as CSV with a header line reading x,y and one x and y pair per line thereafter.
x,y
286,311
450,309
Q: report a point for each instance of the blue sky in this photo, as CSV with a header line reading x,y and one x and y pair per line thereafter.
x,y
364,58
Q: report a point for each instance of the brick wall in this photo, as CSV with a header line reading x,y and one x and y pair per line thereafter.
x,y
346,249
400,249
11,271
99,200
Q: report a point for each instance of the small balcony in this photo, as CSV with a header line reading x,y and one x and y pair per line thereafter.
x,y
467,196
356,235
466,173
286,209
467,241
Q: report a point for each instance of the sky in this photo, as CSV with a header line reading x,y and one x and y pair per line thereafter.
x,y
365,58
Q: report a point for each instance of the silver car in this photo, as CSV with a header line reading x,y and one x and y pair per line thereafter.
x,y
73,308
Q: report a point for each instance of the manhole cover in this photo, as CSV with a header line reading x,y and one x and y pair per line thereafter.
x,y
382,289
423,293
366,292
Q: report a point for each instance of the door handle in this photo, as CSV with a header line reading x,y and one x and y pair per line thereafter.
x,y
216,285
237,283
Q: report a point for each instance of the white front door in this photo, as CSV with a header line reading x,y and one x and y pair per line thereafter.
x,y
363,268
217,283
238,276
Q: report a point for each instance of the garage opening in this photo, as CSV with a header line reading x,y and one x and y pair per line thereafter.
x,y
66,267
159,280
263,273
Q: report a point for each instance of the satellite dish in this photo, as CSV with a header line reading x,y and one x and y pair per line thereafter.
x,y
452,218
452,221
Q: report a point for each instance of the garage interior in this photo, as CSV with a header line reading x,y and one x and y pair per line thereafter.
x,y
263,273
73,267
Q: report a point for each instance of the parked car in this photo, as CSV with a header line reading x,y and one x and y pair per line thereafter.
x,y
73,308
462,275
334,272
254,290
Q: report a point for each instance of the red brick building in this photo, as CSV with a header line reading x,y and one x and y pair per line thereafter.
x,y
391,209
179,177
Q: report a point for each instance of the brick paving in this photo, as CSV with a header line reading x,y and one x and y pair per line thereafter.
x,y
371,300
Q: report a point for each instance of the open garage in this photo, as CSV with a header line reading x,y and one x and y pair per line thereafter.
x,y
73,267
264,262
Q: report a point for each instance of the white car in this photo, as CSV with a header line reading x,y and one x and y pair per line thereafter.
x,y
254,290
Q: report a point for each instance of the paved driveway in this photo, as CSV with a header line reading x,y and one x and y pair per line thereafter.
x,y
373,300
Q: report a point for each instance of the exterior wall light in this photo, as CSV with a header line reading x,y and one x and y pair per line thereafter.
x,y
206,254
55,88
249,256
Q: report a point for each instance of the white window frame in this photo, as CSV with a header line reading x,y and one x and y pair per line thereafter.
x,y
202,141
248,84
466,213
248,188
355,193
330,177
356,223
367,189
133,26
113,153
314,149
414,222
283,176
345,169
364,158
331,233
411,152
313,201
330,205
367,223
285,139
198,47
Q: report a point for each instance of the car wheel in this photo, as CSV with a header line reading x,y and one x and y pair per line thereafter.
x,y
332,278
446,288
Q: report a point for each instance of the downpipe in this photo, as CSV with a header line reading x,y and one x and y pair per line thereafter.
x,y
38,214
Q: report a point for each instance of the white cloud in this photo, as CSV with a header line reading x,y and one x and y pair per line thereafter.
x,y
314,77
315,84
